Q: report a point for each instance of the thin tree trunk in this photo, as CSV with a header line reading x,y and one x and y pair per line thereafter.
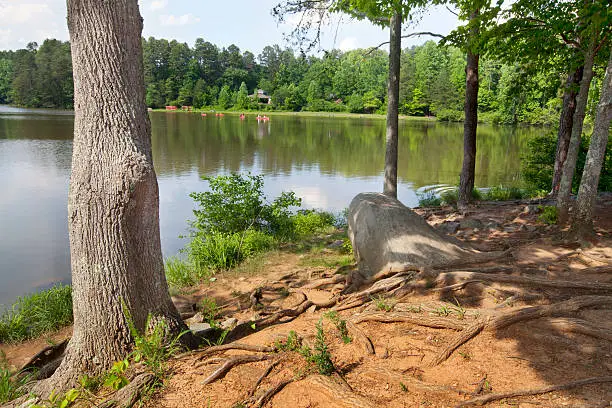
x,y
113,203
470,125
587,193
565,126
569,167
395,49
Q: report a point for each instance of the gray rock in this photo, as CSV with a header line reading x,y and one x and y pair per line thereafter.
x,y
196,318
448,227
229,323
471,223
386,234
531,209
336,244
492,225
200,329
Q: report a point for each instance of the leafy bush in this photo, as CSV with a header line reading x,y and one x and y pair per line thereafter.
x,y
537,165
36,314
429,199
450,197
549,214
234,221
450,115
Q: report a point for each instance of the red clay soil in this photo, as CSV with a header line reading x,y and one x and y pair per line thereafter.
x,y
530,354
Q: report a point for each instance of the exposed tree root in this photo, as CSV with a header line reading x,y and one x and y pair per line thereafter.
x,y
465,335
262,377
232,362
565,308
581,327
268,395
45,356
360,337
235,346
485,399
524,280
427,321
129,395
339,392
456,286
413,384
325,281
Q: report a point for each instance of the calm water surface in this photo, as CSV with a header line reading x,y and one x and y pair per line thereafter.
x,y
326,161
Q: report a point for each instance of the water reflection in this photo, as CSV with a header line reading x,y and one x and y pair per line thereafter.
x,y
326,161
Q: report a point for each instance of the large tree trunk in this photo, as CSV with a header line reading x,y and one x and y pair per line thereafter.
x,y
569,167
468,170
395,49
587,194
113,203
565,126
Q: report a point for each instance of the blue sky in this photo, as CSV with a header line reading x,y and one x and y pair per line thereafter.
x,y
246,23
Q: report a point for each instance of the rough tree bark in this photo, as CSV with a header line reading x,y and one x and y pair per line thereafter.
x,y
395,47
466,180
587,193
565,126
113,203
569,167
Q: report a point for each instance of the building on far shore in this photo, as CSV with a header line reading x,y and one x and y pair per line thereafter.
x,y
262,97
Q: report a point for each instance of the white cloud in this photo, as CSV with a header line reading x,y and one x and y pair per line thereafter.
x,y
172,20
158,5
22,13
348,43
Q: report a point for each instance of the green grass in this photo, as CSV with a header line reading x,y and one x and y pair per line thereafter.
x,y
549,214
180,273
501,193
36,314
11,387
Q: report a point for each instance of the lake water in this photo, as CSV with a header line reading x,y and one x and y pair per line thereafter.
x,y
326,161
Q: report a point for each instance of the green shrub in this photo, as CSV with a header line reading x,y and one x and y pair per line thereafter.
x,y
321,357
449,197
37,314
549,214
429,199
11,386
450,115
309,222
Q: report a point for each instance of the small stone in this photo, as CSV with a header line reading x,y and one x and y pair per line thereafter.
x,y
200,329
212,279
448,227
531,228
531,209
470,223
336,244
197,318
229,323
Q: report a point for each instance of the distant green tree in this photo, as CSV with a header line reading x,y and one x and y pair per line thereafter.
x,y
242,97
224,101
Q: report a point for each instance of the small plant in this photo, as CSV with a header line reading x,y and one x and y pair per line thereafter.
x,y
321,357
429,199
91,383
383,304
11,386
501,193
115,378
549,214
210,311
293,343
466,356
449,197
459,310
347,247
403,387
443,310
340,325
58,400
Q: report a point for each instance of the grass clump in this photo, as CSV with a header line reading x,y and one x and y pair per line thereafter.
x,y
501,193
549,214
321,357
36,314
179,273
11,386
383,304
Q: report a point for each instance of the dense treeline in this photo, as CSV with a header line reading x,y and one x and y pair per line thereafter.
x,y
432,80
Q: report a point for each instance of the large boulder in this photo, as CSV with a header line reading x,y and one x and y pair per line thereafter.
x,y
386,234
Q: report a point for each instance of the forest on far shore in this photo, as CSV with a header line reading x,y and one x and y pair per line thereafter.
x,y
432,81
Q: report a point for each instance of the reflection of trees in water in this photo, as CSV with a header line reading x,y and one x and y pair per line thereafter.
x,y
429,152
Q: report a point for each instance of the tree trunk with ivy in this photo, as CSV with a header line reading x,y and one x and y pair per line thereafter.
x,y
587,194
113,203
565,126
395,48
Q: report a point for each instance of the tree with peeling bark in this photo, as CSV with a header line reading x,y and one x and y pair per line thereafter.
x,y
582,224
113,203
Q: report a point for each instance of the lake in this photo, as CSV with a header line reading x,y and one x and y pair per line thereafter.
x,y
325,160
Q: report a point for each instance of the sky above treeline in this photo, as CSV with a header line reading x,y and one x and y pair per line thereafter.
x,y
245,23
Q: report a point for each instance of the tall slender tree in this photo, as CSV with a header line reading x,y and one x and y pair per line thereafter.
x,y
587,193
113,203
